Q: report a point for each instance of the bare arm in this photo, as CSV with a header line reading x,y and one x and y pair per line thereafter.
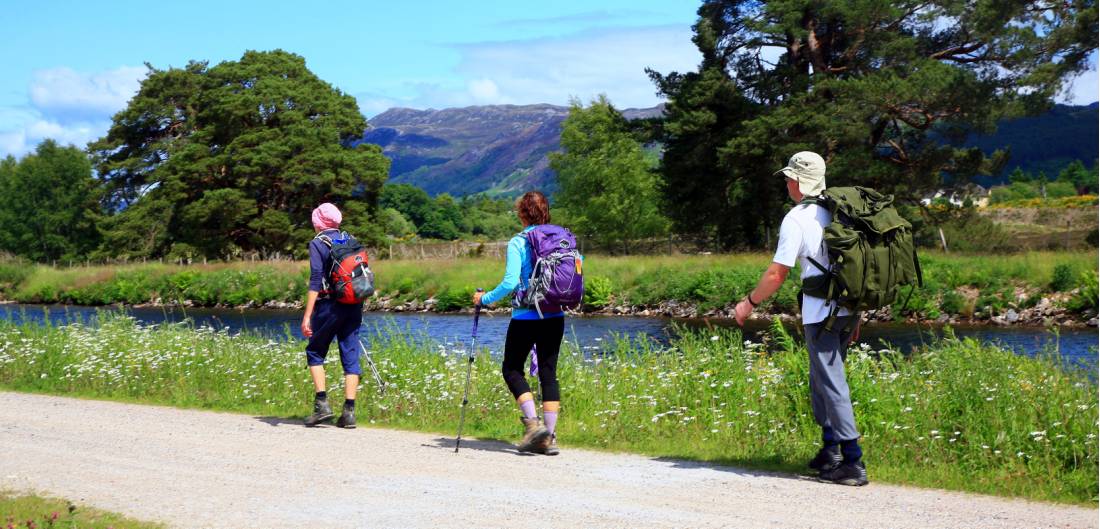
x,y
311,300
769,283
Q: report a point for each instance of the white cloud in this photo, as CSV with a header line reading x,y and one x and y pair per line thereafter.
x,y
1083,89
584,65
67,95
551,70
13,143
484,90
67,106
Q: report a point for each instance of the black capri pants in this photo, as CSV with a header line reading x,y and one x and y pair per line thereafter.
x,y
522,334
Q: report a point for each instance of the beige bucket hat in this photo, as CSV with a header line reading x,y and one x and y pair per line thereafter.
x,y
808,169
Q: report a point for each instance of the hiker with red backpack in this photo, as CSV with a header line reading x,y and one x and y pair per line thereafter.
x,y
543,273
339,282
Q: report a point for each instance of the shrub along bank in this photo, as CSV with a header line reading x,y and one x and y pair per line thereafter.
x,y
1039,287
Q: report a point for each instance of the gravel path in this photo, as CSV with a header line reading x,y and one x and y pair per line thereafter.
x,y
204,469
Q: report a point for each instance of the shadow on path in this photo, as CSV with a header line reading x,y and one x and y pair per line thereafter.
x,y
734,467
281,421
484,445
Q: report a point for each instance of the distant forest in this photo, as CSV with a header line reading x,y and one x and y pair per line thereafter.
x,y
1045,143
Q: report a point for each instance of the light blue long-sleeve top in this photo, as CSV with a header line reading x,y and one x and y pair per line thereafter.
x,y
517,272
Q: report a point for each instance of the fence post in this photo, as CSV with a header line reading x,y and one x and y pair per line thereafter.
x,y
943,240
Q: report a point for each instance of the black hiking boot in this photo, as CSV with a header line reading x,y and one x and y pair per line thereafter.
x,y
826,459
347,419
321,412
851,474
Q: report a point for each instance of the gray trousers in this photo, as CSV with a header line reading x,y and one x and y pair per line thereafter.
x,y
829,396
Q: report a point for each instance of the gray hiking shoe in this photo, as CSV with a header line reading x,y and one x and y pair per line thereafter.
x,y
851,474
826,459
347,419
321,412
534,434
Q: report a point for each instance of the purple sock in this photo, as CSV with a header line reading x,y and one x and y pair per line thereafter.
x,y
528,408
550,419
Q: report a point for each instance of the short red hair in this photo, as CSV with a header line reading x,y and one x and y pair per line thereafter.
x,y
533,208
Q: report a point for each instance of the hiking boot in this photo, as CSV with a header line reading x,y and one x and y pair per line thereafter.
x,y
321,412
548,446
852,474
534,434
826,459
347,419
552,446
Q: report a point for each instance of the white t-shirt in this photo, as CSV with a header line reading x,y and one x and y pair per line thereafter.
x,y
800,236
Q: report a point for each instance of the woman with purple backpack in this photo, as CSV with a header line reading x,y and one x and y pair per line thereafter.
x,y
537,316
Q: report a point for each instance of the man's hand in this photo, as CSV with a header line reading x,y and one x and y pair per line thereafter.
x,y
307,330
742,311
477,297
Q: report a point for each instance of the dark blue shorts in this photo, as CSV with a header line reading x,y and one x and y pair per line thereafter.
x,y
335,320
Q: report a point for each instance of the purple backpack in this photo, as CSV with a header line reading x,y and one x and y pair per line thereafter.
x,y
557,280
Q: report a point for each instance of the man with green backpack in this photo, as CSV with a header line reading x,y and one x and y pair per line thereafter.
x,y
855,252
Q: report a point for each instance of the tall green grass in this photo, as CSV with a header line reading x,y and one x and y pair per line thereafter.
x,y
957,285
958,415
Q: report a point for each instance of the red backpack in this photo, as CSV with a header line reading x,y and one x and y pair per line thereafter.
x,y
350,279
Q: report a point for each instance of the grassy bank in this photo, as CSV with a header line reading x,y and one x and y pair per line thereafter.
x,y
960,286
31,511
959,415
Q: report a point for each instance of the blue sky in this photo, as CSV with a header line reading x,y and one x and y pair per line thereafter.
x,y
69,65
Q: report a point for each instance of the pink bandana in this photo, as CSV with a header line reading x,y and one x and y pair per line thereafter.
x,y
326,217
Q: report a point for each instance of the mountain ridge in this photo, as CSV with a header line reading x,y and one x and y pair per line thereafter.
x,y
504,149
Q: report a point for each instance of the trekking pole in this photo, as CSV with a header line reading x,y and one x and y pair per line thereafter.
x,y
469,369
374,370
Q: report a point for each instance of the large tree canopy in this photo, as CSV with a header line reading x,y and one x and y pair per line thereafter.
x,y
607,182
219,160
48,204
883,89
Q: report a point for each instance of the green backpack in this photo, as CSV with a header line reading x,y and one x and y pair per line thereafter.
x,y
871,250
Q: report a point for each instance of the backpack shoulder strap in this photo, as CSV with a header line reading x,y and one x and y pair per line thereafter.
x,y
324,238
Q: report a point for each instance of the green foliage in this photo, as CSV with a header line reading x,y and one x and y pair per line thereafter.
x,y
454,298
1083,180
606,179
1062,279
232,158
12,273
1087,296
952,303
598,292
48,204
1059,190
444,217
958,415
965,230
703,283
864,86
